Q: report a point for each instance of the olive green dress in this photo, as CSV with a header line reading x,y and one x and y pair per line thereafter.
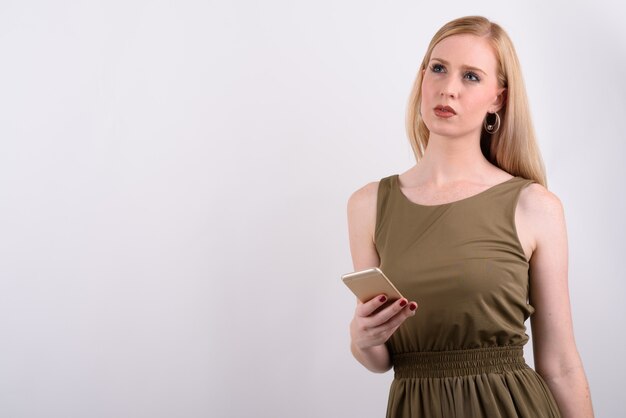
x,y
461,355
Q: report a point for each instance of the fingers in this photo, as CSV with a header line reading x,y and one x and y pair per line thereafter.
x,y
367,308
375,329
394,321
401,305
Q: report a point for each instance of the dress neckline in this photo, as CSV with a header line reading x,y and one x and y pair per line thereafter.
x,y
396,186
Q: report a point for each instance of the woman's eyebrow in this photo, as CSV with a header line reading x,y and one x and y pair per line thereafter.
x,y
463,66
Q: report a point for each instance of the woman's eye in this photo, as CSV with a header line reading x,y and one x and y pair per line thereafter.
x,y
437,68
472,76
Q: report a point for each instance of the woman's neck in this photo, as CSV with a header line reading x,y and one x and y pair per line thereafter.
x,y
448,160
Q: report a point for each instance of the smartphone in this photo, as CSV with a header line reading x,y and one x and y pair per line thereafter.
x,y
369,283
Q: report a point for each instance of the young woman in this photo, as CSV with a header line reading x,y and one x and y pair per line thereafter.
x,y
476,243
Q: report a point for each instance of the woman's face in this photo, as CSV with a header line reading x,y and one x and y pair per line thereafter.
x,y
461,74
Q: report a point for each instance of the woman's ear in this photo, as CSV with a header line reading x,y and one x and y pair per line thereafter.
x,y
500,100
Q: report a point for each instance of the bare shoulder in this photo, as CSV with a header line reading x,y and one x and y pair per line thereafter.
x,y
540,203
542,212
364,196
362,205
362,225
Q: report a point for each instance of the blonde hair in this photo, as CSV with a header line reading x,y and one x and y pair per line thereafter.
x,y
513,147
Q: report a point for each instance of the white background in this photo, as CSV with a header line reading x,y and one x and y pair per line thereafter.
x,y
173,188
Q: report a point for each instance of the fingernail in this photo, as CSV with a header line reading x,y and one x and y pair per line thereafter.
x,y
413,306
382,298
403,303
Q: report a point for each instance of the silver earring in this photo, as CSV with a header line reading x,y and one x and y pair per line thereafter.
x,y
492,128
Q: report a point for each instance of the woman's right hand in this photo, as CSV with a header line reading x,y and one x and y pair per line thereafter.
x,y
369,329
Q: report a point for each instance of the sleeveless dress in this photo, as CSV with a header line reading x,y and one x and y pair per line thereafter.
x,y
461,355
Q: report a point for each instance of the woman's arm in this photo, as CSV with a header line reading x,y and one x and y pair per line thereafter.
x,y
368,332
554,348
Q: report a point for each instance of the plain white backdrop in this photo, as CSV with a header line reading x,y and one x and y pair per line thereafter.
x,y
173,187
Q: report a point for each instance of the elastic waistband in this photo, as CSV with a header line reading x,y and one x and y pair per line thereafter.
x,y
458,362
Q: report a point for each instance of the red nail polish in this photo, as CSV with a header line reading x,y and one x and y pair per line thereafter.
x,y
412,306
382,298
403,303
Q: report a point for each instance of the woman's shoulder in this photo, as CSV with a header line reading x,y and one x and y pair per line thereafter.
x,y
364,197
540,205
539,217
362,216
368,193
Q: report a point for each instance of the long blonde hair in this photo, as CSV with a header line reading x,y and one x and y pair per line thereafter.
x,y
513,147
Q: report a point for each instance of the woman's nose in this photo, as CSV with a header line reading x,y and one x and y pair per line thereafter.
x,y
450,88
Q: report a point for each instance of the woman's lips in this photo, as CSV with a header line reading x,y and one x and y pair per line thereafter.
x,y
444,112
